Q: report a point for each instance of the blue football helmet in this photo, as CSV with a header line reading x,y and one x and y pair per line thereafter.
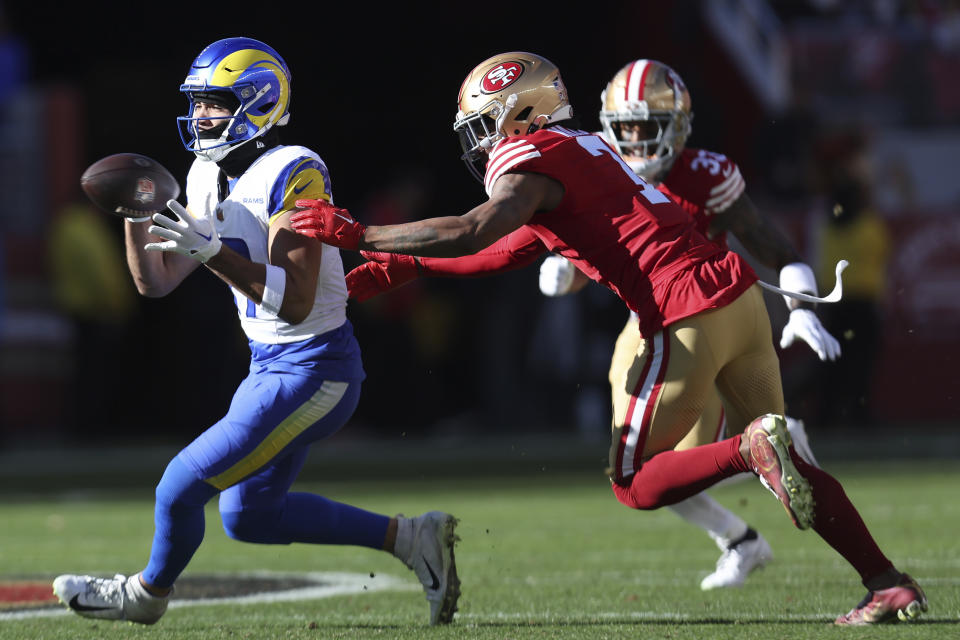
x,y
245,74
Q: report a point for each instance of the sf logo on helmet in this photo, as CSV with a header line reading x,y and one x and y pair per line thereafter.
x,y
501,77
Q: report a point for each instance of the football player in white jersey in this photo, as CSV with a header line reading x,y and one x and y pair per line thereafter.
x,y
646,115
305,367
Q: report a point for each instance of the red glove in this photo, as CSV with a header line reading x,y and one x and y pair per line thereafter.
x,y
383,272
322,221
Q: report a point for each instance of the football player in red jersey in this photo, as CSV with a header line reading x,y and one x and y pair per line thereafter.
x,y
701,314
646,115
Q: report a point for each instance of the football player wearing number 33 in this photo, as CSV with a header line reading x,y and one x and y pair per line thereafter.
x,y
646,115
700,312
305,367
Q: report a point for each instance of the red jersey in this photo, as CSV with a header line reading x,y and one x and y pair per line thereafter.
x,y
704,183
616,228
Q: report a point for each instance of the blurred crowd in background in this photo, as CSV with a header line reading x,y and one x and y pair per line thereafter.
x,y
844,117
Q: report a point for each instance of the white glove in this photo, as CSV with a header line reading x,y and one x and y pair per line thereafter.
x,y
193,237
805,325
556,276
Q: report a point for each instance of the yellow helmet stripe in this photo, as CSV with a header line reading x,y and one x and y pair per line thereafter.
x,y
238,62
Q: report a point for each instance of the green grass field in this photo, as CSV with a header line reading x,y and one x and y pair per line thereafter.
x,y
548,555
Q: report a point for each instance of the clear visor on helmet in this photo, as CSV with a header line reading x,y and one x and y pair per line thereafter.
x,y
478,132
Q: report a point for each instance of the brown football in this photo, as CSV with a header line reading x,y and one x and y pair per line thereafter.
x,y
129,184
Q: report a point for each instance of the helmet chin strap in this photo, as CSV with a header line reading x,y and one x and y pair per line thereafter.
x,y
488,140
508,106
218,149
564,113
216,152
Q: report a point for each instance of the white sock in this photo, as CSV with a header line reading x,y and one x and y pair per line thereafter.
x,y
719,522
794,425
136,589
403,545
800,440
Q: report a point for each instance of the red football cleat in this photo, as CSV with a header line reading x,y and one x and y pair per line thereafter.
x,y
770,460
905,601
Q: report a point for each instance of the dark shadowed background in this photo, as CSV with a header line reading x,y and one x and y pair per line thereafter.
x,y
797,93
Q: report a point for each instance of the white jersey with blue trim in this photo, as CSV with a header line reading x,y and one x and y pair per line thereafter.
x,y
269,187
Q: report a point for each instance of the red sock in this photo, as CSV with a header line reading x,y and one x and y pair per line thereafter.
x,y
839,524
672,476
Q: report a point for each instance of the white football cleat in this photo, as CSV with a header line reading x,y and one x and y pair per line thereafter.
x,y
117,598
740,559
800,442
425,544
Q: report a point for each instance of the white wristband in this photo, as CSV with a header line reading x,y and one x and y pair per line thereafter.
x,y
273,289
797,277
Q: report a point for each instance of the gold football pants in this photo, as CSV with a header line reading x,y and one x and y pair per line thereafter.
x,y
673,390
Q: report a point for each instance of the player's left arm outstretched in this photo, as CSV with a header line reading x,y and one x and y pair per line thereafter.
x,y
514,200
768,244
